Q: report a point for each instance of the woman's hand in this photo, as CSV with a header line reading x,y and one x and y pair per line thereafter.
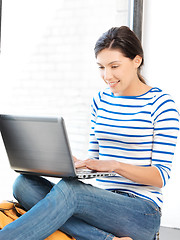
x,y
79,163
97,165
100,165
143,175
75,159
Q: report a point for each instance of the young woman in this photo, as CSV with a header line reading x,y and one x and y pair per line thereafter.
x,y
134,133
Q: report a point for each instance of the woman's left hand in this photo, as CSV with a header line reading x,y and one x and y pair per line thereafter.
x,y
97,165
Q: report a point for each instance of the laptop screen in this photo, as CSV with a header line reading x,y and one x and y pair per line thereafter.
x,y
37,145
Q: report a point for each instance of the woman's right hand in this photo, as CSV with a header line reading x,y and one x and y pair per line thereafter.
x,y
79,163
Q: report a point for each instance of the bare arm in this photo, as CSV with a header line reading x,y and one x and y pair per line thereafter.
x,y
143,175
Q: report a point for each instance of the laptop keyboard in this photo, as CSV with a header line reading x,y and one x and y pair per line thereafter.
x,y
87,173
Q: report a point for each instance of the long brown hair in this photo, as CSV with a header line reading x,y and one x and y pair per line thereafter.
x,y
122,39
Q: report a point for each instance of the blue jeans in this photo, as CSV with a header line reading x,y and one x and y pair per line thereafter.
x,y
80,210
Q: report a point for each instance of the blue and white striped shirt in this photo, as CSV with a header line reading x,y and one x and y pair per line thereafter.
x,y
139,130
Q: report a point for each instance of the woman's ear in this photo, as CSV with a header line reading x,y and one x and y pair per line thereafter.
x,y
137,61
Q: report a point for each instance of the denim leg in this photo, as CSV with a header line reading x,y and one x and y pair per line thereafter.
x,y
29,190
81,230
111,212
119,214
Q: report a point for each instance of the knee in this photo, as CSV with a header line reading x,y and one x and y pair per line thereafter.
x,y
72,187
20,186
68,183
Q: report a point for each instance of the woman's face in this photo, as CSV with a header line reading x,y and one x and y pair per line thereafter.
x,y
119,72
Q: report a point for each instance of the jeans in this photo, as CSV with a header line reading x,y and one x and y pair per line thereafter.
x,y
80,210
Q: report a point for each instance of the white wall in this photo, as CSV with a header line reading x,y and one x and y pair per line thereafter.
x,y
161,41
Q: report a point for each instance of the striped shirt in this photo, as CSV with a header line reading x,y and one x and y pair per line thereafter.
x,y
139,130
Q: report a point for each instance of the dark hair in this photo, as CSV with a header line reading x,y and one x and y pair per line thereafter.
x,y
122,39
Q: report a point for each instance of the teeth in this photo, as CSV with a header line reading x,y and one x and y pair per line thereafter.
x,y
113,83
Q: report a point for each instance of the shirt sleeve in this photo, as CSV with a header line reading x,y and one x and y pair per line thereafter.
x,y
93,151
166,127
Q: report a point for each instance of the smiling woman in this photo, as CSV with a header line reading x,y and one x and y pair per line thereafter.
x,y
134,131
120,56
120,73
126,41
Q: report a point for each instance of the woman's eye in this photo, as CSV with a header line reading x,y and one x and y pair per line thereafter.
x,y
101,67
115,66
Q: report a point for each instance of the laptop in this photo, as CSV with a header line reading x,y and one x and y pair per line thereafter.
x,y
40,146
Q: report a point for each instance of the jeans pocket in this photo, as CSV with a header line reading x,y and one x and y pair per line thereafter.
x,y
152,209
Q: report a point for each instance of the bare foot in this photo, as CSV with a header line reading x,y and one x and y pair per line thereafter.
x,y
123,238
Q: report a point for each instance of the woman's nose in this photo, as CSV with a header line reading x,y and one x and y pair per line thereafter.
x,y
107,74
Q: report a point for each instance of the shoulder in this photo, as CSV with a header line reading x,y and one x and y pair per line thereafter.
x,y
163,103
161,98
157,94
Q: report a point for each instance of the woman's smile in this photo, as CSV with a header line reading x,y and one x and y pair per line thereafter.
x,y
113,83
